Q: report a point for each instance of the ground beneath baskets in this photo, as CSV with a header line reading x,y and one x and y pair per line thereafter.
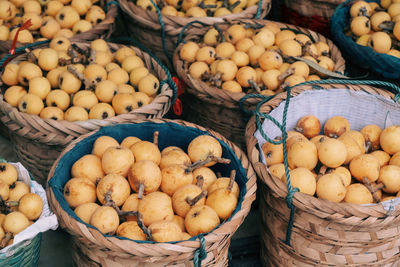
x,y
56,245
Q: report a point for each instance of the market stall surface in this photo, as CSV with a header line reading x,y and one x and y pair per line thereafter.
x,y
56,245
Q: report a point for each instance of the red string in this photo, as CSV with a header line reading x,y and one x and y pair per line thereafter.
x,y
315,22
180,85
24,26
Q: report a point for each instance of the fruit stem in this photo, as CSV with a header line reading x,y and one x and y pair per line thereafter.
x,y
7,237
373,188
193,201
254,85
307,49
31,56
322,171
215,80
386,26
141,190
79,76
234,5
201,163
368,146
92,56
155,137
286,74
75,59
231,180
219,175
4,208
12,203
200,181
299,129
140,223
79,50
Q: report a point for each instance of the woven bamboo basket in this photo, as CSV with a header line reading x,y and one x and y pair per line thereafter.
x,y
101,30
219,109
313,14
38,142
325,233
91,248
145,25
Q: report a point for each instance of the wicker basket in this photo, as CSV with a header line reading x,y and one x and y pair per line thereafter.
x,y
325,233
38,142
362,56
91,248
101,30
145,25
24,254
313,14
218,109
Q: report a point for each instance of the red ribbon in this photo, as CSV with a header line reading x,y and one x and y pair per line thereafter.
x,y
180,85
24,26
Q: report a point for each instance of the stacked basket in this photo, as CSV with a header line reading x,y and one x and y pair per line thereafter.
x,y
219,109
93,248
38,142
324,233
160,33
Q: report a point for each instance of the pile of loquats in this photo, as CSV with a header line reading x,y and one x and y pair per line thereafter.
x,y
19,208
49,19
134,190
377,25
73,83
251,59
340,165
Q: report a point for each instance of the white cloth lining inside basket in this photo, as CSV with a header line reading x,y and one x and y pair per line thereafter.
x,y
358,107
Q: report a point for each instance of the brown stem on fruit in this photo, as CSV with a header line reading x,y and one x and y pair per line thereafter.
x,y
31,56
155,137
200,181
396,43
140,223
4,208
307,49
75,58
231,180
286,74
141,191
219,175
12,203
225,3
373,188
214,80
363,12
254,85
193,201
111,203
92,56
204,6
299,129
201,163
253,26
322,171
80,76
234,5
81,51
7,237
386,26
368,146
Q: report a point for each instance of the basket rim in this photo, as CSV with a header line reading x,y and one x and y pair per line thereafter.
x,y
111,10
174,24
226,228
68,130
301,200
221,97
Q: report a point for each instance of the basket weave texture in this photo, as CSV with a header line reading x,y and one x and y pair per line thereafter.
x,y
363,56
324,233
38,142
145,26
219,109
102,30
91,248
24,254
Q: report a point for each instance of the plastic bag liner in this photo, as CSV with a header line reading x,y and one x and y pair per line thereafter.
x,y
364,56
170,134
358,107
46,221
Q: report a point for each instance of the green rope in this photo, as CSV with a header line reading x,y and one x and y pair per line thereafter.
x,y
259,115
259,9
164,44
136,43
112,3
200,253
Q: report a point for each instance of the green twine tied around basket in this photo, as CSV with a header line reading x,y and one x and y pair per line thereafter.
x,y
258,115
200,254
